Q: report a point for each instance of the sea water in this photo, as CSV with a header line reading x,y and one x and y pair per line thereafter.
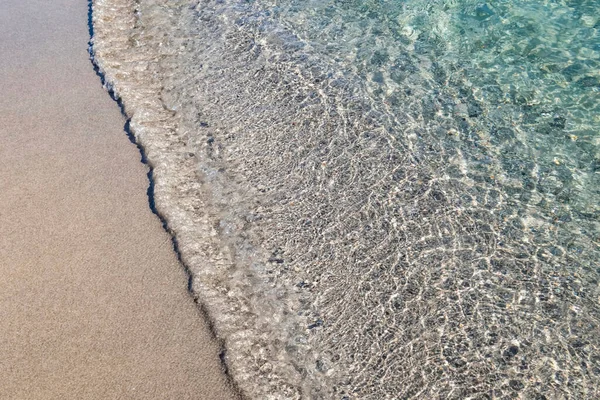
x,y
377,199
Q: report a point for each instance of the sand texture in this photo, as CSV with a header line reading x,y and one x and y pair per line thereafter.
x,y
93,302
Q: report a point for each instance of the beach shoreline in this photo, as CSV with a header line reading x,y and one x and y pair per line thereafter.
x,y
94,300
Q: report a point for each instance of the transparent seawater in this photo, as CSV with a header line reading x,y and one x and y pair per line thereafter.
x,y
401,197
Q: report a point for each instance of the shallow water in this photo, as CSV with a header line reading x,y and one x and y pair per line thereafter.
x,y
377,199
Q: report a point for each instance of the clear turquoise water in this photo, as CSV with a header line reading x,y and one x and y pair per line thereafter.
x,y
520,79
432,169
409,190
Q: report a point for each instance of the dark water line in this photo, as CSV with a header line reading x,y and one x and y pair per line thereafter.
x,y
202,310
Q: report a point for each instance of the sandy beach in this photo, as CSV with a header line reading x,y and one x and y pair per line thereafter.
x,y
93,302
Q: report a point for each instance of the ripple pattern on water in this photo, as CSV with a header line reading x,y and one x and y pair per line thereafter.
x,y
400,199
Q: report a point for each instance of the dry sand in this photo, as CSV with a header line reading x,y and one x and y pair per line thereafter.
x,y
93,303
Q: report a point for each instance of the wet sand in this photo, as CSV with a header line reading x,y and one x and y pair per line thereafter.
x,y
93,302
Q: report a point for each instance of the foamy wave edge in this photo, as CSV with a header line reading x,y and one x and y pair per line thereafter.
x,y
131,71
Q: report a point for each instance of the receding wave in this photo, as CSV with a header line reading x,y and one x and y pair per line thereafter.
x,y
377,199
